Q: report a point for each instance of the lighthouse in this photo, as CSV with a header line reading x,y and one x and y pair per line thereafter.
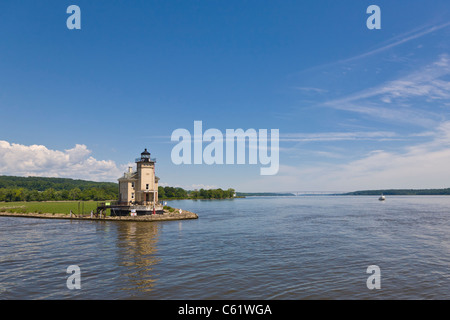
x,y
138,190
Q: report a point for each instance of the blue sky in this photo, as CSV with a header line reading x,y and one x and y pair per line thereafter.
x,y
356,108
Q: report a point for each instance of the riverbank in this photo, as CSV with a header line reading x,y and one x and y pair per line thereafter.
x,y
166,216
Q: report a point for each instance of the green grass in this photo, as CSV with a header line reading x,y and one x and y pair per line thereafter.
x,y
169,208
49,207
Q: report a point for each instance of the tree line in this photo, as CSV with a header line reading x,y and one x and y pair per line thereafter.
x,y
44,183
14,189
180,193
50,194
54,189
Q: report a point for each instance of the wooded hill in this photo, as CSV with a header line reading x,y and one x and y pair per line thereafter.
x,y
54,189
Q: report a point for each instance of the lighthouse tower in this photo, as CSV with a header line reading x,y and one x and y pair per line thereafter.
x,y
140,187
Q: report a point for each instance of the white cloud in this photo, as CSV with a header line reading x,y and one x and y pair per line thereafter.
x,y
38,160
423,165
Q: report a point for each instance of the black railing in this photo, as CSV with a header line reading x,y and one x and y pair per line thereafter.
x,y
145,160
105,204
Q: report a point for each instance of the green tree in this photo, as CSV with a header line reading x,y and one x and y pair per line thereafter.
x,y
161,193
49,194
180,193
75,194
195,194
170,192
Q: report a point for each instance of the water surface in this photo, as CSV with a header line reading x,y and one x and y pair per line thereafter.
x,y
311,247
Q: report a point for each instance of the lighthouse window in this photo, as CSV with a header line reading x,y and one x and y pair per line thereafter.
x,y
132,195
132,184
146,186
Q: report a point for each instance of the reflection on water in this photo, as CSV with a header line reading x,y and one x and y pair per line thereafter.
x,y
136,248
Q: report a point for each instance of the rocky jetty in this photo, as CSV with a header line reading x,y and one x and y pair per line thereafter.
x,y
166,216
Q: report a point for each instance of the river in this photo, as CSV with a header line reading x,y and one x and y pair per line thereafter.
x,y
305,247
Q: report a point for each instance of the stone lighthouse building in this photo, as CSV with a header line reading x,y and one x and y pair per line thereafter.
x,y
140,187
138,190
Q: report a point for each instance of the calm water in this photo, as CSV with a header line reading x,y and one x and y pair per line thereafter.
x,y
315,247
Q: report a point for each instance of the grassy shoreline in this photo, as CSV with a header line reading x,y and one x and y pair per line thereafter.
x,y
55,207
64,206
81,211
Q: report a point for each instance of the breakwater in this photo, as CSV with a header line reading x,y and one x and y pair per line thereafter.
x,y
166,216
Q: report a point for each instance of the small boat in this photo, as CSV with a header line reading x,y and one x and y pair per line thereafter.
x,y
382,198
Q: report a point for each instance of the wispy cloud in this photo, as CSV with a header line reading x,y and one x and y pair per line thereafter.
x,y
337,136
424,82
428,83
418,165
347,64
399,40
311,89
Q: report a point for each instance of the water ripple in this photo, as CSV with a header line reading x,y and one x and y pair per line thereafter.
x,y
255,248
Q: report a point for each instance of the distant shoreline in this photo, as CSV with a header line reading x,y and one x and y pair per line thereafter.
x,y
401,192
386,192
